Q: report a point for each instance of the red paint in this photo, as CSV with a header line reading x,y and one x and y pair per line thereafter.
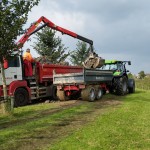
x,y
45,71
28,68
1,91
71,88
33,27
18,84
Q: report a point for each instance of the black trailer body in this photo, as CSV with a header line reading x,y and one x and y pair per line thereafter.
x,y
89,84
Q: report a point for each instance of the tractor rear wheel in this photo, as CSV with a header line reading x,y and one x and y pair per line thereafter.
x,y
131,85
62,96
121,85
88,94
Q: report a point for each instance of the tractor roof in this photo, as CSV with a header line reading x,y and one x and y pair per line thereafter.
x,y
112,61
115,61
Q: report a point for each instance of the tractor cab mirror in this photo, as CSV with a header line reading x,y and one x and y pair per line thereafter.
x,y
127,71
129,62
5,64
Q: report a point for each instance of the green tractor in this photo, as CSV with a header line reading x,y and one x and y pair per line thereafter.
x,y
121,85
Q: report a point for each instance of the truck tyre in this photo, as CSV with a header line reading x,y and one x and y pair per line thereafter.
x,y
121,85
21,97
99,93
61,95
131,85
88,94
54,92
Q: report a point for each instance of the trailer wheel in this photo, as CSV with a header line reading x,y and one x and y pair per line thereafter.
x,y
61,96
21,97
88,94
99,93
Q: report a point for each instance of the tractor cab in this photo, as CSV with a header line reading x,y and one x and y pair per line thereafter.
x,y
118,67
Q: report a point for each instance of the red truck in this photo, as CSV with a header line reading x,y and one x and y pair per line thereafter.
x,y
25,89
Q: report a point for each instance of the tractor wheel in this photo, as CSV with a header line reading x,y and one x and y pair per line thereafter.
x,y
99,93
131,85
21,97
88,94
121,85
61,95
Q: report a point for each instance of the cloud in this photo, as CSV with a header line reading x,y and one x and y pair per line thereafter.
x,y
120,29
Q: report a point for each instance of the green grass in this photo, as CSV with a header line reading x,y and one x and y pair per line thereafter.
x,y
114,123
25,127
127,127
143,84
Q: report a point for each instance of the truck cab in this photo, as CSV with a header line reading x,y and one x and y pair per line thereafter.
x,y
13,69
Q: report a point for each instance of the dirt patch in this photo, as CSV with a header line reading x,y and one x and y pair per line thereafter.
x,y
67,126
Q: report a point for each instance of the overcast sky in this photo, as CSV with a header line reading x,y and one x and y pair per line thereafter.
x,y
120,29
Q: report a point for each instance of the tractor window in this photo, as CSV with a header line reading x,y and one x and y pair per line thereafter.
x,y
109,67
120,67
13,62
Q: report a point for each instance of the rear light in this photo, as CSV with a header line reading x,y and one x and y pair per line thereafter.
x,y
82,86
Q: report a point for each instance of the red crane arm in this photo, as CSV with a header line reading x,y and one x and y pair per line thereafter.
x,y
33,28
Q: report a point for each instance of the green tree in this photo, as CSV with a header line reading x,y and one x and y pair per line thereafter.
x,y
130,76
13,15
49,45
80,54
141,74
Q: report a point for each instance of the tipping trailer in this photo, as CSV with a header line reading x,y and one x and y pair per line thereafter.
x,y
88,84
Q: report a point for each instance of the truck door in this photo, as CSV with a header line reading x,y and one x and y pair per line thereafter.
x,y
14,70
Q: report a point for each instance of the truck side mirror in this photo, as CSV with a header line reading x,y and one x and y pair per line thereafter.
x,y
129,62
5,64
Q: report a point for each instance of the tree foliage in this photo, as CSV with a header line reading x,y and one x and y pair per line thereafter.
x,y
141,74
80,54
13,15
130,76
49,45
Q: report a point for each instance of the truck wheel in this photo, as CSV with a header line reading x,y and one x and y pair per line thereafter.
x,y
88,94
121,86
61,96
54,92
99,93
131,85
21,97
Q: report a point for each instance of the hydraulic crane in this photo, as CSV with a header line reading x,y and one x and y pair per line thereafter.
x,y
92,61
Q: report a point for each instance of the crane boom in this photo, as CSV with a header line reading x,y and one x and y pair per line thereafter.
x,y
93,61
33,28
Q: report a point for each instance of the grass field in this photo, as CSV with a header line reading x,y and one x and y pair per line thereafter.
x,y
143,84
112,123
